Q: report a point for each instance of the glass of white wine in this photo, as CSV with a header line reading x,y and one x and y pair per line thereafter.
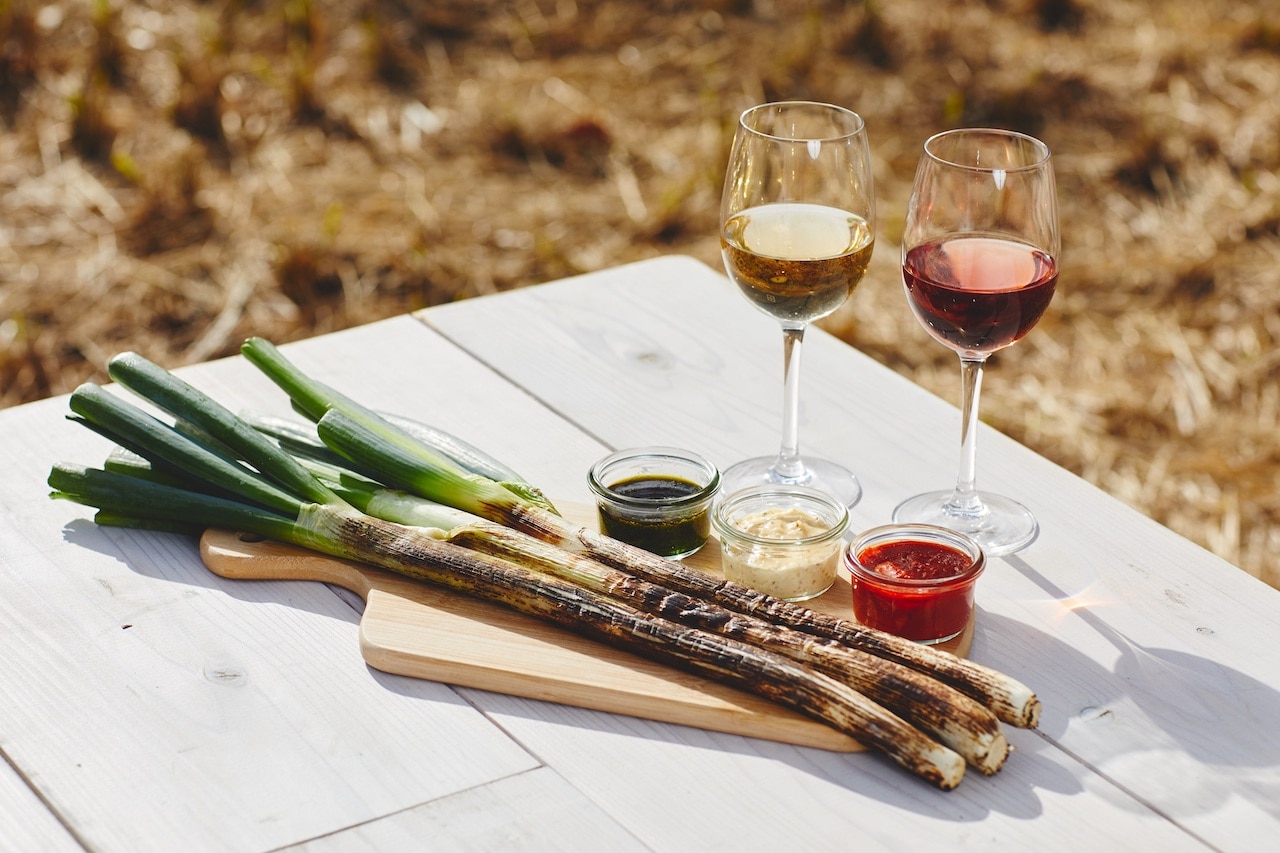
x,y
797,222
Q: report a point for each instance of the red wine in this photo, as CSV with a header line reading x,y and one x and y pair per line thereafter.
x,y
978,294
796,262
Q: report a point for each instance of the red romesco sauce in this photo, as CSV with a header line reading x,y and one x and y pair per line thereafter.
x,y
914,589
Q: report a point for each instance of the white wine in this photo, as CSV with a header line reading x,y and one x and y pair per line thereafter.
x,y
796,262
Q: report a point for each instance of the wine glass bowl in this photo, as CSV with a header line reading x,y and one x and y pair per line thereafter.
x,y
797,222
979,267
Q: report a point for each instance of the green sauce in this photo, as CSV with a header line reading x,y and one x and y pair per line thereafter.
x,y
657,528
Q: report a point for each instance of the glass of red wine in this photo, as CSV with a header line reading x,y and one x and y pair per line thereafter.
x,y
979,264
797,221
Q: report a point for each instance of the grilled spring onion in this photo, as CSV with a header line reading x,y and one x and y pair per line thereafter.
x,y
370,440
277,498
950,716
1010,700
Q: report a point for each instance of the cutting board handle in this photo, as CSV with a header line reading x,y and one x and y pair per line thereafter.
x,y
245,556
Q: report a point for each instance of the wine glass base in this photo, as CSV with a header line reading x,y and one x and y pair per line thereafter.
x,y
820,474
1003,526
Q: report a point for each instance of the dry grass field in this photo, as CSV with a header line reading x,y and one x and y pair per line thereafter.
x,y
176,175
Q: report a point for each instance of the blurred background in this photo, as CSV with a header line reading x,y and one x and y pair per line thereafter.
x,y
177,175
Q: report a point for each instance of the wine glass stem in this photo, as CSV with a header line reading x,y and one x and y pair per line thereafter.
x,y
965,500
789,465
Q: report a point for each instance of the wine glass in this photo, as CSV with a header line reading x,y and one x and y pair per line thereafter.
x,y
979,264
796,232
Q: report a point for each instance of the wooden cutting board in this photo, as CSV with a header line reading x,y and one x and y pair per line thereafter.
x,y
415,629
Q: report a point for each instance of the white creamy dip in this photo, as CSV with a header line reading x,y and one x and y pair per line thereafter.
x,y
775,560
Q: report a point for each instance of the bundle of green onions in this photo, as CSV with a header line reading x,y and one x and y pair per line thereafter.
x,y
361,485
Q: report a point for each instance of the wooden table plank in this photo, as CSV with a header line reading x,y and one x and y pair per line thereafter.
x,y
1145,648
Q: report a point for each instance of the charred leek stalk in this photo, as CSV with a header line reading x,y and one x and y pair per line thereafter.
x,y
953,718
1010,700
770,675
247,483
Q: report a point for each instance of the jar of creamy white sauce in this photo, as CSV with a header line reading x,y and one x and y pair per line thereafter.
x,y
781,540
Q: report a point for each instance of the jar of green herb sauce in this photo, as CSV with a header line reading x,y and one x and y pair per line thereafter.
x,y
655,498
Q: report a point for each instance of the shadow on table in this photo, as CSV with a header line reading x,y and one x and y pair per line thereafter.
x,y
152,554
1158,718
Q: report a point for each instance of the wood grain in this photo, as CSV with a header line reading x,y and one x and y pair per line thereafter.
x,y
410,628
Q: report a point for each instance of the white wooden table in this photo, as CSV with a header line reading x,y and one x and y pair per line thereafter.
x,y
148,704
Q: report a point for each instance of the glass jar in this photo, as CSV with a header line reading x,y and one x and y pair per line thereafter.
x,y
655,498
781,540
914,580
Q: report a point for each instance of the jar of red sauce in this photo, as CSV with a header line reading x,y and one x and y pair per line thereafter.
x,y
914,580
